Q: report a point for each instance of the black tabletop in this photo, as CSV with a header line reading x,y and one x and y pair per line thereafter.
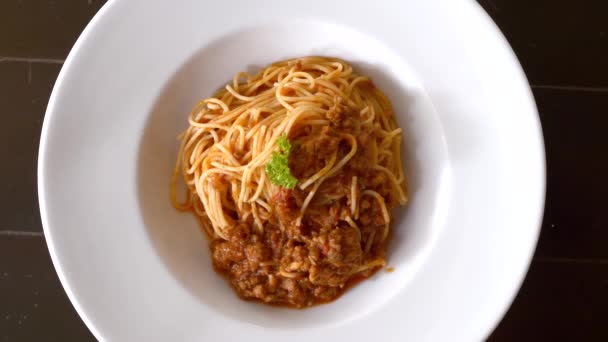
x,y
563,47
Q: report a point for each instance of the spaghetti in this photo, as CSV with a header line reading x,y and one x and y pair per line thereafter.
x,y
292,173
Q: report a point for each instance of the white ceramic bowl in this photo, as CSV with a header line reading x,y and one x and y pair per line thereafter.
x,y
137,270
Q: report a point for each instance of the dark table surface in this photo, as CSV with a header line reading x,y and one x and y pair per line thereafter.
x,y
563,47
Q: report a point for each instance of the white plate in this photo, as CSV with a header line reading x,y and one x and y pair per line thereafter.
x,y
136,270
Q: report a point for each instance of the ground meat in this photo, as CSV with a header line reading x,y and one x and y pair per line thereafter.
x,y
329,275
341,116
256,253
325,293
286,207
296,272
295,259
300,261
344,246
311,152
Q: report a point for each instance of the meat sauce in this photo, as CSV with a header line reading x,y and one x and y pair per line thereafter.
x,y
299,264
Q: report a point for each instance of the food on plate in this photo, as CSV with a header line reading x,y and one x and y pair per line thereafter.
x,y
292,173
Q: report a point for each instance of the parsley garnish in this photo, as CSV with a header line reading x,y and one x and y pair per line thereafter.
x,y
277,168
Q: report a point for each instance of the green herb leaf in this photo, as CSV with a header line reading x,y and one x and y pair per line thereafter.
x,y
284,144
277,168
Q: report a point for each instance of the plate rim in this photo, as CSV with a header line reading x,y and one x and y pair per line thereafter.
x,y
41,167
